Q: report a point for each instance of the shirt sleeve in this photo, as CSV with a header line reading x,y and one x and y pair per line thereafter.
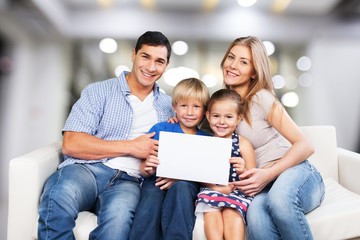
x,y
156,128
86,113
265,99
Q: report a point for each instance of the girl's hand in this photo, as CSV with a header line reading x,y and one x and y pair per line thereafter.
x,y
238,164
174,119
223,189
164,183
253,181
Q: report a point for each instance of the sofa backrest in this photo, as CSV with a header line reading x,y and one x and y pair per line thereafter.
x,y
323,138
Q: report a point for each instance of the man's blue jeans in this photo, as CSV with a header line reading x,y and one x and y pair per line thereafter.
x,y
165,214
111,194
278,212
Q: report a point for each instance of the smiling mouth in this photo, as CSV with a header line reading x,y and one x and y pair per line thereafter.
x,y
147,74
221,129
231,74
189,119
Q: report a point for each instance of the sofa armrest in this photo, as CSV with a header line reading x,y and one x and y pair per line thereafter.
x,y
27,175
349,169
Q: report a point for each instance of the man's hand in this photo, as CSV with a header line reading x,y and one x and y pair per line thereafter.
x,y
143,146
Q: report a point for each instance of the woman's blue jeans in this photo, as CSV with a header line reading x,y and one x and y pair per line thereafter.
x,y
111,194
278,212
167,215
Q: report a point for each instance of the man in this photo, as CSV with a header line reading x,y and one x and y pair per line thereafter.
x,y
104,142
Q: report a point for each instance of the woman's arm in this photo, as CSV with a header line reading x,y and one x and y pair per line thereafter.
x,y
247,152
84,146
300,149
256,179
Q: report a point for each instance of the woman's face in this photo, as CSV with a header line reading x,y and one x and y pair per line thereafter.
x,y
238,68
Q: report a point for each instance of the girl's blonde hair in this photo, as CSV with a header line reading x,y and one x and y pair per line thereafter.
x,y
261,62
190,88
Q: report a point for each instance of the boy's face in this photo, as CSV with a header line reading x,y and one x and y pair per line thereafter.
x,y
223,118
189,113
149,63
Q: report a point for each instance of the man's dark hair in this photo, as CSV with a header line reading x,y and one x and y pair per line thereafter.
x,y
153,38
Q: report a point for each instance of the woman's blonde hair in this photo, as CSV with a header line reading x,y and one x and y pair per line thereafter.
x,y
190,88
261,62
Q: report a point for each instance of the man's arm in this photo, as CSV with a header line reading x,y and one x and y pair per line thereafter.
x,y
84,146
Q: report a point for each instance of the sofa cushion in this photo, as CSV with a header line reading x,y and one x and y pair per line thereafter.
x,y
323,139
85,223
337,217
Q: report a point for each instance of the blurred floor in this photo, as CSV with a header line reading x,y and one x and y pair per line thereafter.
x,y
3,219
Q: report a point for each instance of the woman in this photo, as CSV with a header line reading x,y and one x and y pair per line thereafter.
x,y
285,185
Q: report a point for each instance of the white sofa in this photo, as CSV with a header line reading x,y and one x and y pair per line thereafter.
x,y
337,218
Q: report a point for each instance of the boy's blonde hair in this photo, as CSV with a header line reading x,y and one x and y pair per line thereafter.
x,y
190,88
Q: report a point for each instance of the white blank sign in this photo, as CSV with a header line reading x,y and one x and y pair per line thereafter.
x,y
194,157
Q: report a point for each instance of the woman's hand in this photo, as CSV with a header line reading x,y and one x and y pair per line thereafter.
x,y
164,183
253,181
239,164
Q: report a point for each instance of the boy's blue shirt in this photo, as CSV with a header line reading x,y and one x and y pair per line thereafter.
x,y
170,127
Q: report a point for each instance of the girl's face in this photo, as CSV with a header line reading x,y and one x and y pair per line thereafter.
x,y
189,113
223,118
238,68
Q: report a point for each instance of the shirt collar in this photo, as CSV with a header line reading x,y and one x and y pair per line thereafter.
x,y
125,86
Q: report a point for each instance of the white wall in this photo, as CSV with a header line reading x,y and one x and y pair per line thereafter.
x,y
36,98
334,97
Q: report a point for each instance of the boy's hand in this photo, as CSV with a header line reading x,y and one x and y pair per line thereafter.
x,y
164,183
151,164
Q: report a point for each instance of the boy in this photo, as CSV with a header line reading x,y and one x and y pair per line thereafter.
x,y
166,208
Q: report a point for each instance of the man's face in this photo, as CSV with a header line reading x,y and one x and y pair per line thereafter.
x,y
149,63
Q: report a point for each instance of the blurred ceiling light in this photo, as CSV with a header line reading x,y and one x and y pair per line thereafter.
x,y
149,4
119,69
108,45
303,63
105,3
290,99
270,47
175,75
209,5
291,82
210,80
180,48
305,80
246,3
278,81
280,5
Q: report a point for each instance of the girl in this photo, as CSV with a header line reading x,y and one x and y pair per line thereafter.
x,y
224,207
